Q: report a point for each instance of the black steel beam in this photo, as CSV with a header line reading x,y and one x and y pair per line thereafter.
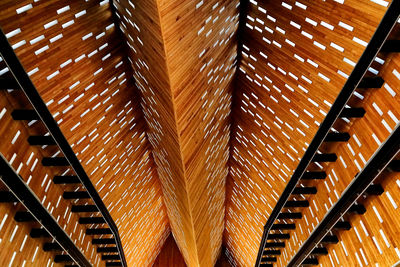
x,y
391,46
394,166
313,175
352,113
84,208
272,252
98,231
24,115
331,157
289,215
375,190
371,51
310,261
312,190
25,195
41,140
270,259
357,208
110,257
283,226
72,179
39,232
278,236
24,216
371,82
55,162
62,258
91,220
16,68
107,249
8,82
297,204
103,241
76,195
7,197
275,245
342,226
337,137
374,167
319,251
330,239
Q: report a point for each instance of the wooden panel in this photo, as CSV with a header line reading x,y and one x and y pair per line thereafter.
x,y
183,53
169,255
296,56
77,62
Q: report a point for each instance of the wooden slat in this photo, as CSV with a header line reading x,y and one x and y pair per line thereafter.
x,y
295,58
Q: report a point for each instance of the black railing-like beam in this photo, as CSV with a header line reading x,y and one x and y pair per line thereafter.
x,y
342,226
305,190
374,167
8,82
98,231
7,197
374,46
358,209
24,115
18,71
371,82
319,251
391,46
272,252
289,215
324,157
297,204
107,249
84,208
37,211
275,245
317,175
91,220
72,179
278,236
283,226
41,140
337,137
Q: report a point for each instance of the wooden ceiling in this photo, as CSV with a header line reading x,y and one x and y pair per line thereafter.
x,y
183,55
188,124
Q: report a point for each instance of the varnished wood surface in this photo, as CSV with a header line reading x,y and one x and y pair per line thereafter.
x,y
183,53
290,74
76,61
169,255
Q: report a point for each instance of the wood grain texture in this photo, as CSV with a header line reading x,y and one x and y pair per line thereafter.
x,y
183,54
75,58
296,56
170,255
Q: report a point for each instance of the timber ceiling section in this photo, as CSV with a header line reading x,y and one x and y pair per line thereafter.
x,y
370,241
75,58
183,54
283,93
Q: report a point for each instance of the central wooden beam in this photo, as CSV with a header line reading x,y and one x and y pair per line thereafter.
x,y
183,54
